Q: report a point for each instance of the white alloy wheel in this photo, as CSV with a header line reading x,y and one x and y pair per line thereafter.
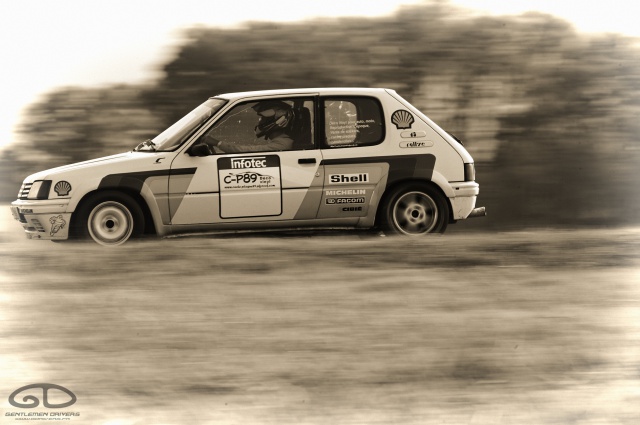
x,y
110,223
415,213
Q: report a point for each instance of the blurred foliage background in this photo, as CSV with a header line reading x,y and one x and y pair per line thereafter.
x,y
551,116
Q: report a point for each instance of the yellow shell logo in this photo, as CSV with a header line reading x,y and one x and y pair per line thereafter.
x,y
402,119
62,188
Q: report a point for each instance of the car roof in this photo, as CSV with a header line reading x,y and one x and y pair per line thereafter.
x,y
335,91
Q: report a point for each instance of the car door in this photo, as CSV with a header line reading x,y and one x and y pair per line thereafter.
x,y
356,170
252,183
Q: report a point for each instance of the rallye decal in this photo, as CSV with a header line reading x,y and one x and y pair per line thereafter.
x,y
250,184
416,144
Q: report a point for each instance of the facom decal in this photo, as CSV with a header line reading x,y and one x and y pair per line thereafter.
x,y
355,200
57,223
62,188
348,178
402,119
345,192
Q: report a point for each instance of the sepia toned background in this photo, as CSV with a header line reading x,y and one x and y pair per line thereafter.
x,y
529,315
550,114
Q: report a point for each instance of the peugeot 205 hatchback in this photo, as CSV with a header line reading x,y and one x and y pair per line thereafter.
x,y
339,157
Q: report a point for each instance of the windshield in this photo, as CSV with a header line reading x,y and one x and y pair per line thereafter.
x,y
175,135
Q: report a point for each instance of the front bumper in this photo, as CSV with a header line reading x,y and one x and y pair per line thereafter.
x,y
464,200
47,220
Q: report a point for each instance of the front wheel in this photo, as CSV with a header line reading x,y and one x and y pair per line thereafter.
x,y
110,218
415,210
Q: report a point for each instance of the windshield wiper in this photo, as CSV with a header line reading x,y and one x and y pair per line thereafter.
x,y
146,144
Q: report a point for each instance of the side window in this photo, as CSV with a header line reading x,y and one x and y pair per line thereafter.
x,y
352,121
266,125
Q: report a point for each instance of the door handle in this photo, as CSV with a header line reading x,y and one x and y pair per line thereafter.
x,y
306,161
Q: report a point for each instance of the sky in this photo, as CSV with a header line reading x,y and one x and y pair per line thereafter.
x,y
47,44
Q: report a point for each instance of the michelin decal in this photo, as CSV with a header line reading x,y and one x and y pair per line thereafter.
x,y
57,224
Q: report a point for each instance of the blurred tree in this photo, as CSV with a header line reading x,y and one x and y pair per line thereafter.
x,y
74,124
572,156
264,56
550,116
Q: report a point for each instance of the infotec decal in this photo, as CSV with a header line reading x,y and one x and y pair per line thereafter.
x,y
260,172
251,162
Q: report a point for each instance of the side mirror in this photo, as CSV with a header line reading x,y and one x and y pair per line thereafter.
x,y
199,149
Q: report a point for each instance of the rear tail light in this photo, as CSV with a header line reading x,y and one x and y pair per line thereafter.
x,y
469,172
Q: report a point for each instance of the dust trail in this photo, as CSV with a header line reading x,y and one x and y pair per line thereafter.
x,y
520,327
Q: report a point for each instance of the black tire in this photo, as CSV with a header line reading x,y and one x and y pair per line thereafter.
x,y
414,210
109,218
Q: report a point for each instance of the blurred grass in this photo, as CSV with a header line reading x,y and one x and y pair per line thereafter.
x,y
520,327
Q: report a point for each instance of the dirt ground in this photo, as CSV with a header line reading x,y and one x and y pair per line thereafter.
x,y
531,327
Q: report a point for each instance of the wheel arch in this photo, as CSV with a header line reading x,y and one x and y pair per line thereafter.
x,y
149,227
391,189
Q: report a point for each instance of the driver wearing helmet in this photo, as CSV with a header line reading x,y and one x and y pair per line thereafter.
x,y
274,120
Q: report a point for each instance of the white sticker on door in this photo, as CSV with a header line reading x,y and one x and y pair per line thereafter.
x,y
250,186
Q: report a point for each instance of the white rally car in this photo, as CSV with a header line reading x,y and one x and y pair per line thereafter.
x,y
338,157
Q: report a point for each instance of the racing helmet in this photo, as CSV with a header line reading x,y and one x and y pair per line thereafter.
x,y
274,115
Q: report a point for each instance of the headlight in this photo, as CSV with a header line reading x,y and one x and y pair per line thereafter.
x,y
39,190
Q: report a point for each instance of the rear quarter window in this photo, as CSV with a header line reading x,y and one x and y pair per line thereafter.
x,y
352,121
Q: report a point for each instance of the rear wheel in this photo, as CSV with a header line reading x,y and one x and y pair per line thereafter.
x,y
415,210
110,218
